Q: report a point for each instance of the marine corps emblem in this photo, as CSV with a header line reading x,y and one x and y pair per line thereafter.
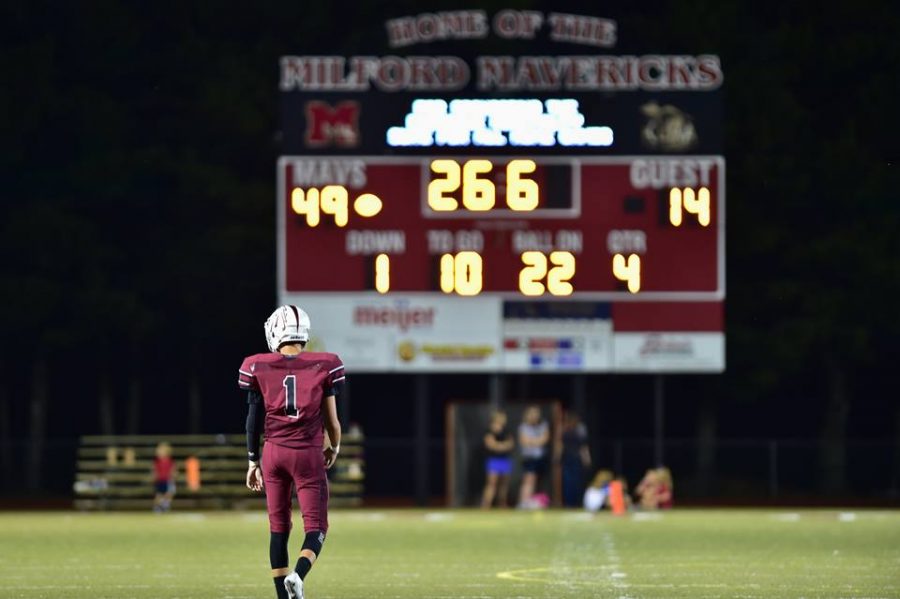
x,y
667,128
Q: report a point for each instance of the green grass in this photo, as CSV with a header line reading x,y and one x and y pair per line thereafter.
x,y
459,555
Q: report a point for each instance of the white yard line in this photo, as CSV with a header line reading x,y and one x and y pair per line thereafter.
x,y
646,516
189,517
254,517
438,517
617,576
569,558
788,517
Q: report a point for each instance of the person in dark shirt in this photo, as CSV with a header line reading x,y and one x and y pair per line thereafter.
x,y
498,443
575,459
293,393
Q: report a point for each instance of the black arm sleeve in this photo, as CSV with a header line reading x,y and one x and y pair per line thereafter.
x,y
335,389
253,425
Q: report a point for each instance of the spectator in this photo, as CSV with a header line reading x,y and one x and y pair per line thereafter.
x,y
164,478
575,458
499,445
655,489
645,492
534,434
666,489
595,497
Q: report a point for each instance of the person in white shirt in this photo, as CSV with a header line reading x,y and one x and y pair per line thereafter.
x,y
534,435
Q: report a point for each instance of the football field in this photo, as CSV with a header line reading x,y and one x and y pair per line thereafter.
x,y
460,555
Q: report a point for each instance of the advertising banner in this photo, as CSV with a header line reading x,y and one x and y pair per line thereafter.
x,y
412,333
669,352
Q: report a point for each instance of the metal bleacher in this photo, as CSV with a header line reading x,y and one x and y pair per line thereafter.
x,y
116,472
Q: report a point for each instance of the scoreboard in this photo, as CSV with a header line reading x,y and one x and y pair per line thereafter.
x,y
478,237
551,228
376,240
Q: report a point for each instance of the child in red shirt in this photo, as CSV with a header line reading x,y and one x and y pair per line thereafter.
x,y
164,478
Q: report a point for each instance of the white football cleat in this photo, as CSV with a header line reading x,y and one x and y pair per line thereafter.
x,y
293,584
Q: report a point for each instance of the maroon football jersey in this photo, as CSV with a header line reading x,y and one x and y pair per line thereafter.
x,y
293,389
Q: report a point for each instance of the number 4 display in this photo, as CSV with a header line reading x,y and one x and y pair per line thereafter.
x,y
628,271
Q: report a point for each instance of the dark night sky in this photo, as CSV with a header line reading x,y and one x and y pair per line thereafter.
x,y
137,241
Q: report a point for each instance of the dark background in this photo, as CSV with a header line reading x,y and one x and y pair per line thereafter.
x,y
137,239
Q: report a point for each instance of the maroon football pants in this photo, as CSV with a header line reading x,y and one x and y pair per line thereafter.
x,y
304,469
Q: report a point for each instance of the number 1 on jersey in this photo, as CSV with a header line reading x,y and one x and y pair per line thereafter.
x,y
290,395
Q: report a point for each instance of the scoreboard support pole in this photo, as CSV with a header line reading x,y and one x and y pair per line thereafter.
x,y
423,438
658,419
579,402
495,390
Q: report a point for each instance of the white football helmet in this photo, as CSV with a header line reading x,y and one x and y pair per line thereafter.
x,y
287,324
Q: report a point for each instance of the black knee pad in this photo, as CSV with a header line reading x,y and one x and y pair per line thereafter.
x,y
314,541
278,549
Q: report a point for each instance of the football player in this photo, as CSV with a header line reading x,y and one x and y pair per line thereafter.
x,y
295,391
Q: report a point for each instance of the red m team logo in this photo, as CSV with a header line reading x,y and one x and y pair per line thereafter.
x,y
337,126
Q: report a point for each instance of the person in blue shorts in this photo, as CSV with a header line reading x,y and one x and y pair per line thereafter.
x,y
499,444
